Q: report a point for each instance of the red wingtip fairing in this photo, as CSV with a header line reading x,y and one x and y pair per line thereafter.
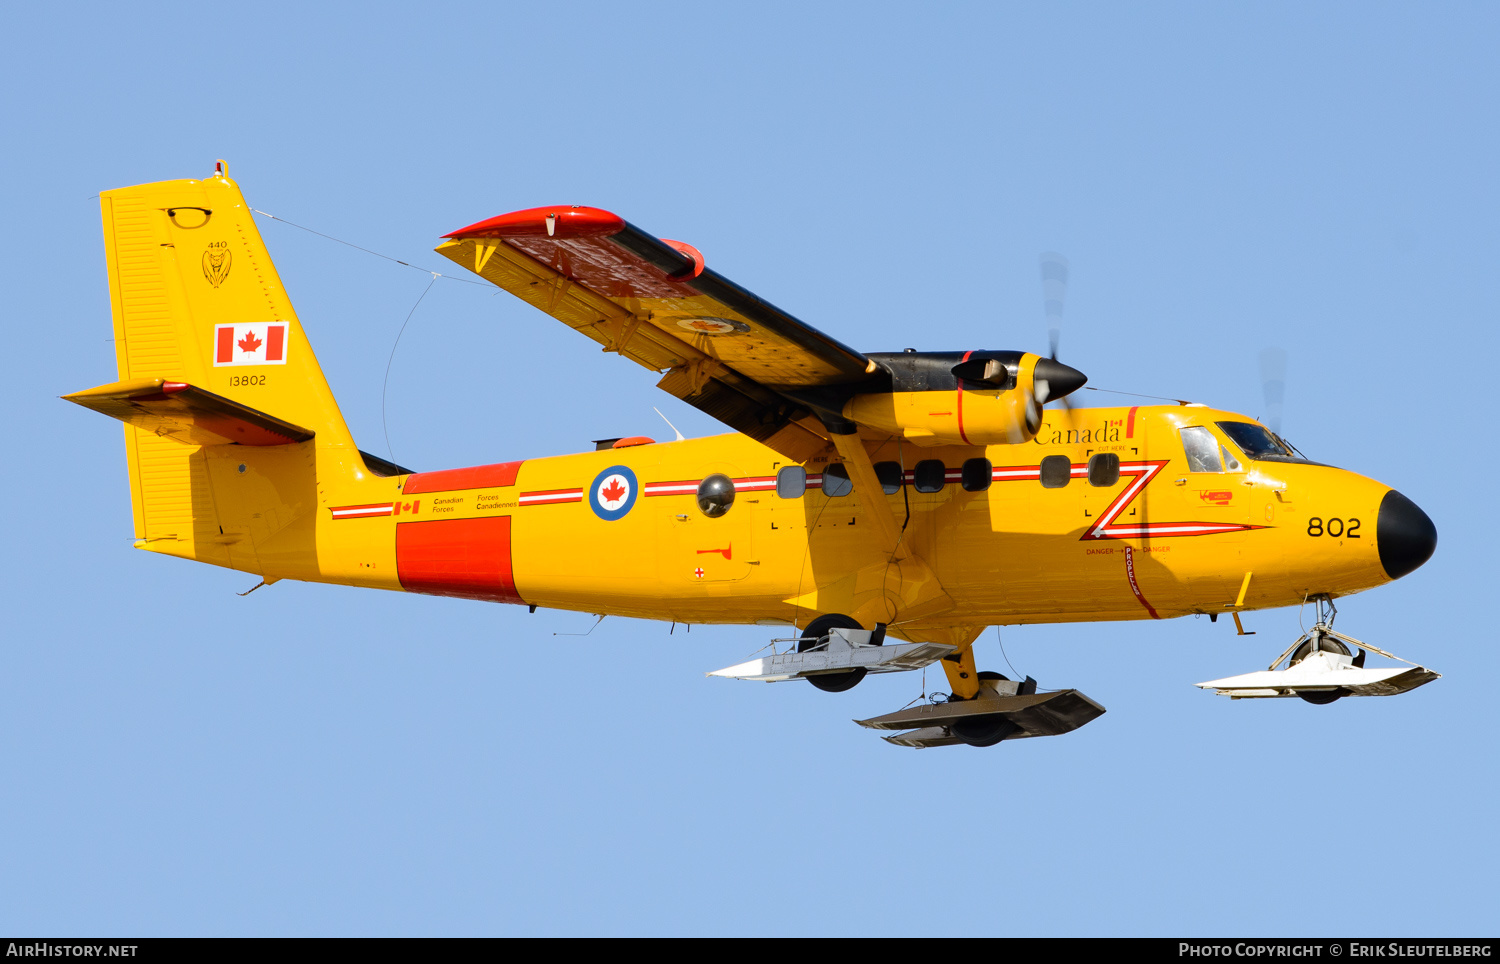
x,y
687,251
566,221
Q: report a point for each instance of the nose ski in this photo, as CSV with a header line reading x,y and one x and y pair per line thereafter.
x,y
1321,669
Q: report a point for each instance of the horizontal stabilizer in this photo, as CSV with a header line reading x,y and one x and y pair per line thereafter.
x,y
188,414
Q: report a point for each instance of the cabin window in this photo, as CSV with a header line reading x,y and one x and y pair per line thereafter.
x,y
715,495
791,482
836,482
889,474
1202,450
1104,470
976,475
930,474
1057,471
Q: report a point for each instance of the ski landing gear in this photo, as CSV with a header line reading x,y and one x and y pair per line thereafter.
x,y
1002,710
834,654
1320,669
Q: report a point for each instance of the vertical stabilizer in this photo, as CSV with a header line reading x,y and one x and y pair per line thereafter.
x,y
196,300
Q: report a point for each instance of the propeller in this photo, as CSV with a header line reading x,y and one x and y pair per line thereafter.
x,y
1053,379
1273,382
1055,294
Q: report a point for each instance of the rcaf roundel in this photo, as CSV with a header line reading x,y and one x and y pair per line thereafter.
x,y
258,343
613,493
713,326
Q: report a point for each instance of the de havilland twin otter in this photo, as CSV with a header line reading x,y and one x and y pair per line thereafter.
x,y
889,505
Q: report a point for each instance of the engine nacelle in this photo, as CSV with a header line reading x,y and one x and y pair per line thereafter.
x,y
963,417
978,398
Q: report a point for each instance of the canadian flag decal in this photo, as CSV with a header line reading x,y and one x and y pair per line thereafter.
x,y
258,343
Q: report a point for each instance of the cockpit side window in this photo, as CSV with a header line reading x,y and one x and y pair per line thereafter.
x,y
1255,441
1231,464
1202,450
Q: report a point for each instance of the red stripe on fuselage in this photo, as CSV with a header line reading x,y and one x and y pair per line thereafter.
x,y
475,477
1140,474
761,483
361,511
550,496
468,558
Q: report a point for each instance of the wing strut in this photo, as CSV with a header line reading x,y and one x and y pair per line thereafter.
x,y
862,470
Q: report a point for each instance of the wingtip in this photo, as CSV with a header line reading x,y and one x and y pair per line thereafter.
x,y
566,221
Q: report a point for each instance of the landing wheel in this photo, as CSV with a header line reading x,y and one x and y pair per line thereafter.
x,y
816,630
1325,697
983,730
984,674
1328,645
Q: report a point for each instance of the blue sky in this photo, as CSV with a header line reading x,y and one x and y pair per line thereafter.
x,y
324,760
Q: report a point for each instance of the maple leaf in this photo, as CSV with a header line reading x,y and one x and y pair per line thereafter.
x,y
249,342
613,492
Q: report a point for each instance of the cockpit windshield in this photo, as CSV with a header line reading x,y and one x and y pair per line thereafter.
x,y
1256,442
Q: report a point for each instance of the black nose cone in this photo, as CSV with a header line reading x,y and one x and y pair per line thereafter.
x,y
1061,379
1403,534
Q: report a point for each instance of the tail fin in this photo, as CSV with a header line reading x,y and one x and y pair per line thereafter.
x,y
197,300
198,305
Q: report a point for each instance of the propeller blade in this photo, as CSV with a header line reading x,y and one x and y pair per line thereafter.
x,y
1273,383
1054,294
1041,391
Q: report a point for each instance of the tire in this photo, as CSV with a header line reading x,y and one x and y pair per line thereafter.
x,y
1325,697
1326,644
816,630
983,730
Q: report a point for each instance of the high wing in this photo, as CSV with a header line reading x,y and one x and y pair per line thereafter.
x,y
722,349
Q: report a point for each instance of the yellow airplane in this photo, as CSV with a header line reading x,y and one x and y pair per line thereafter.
x,y
890,506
